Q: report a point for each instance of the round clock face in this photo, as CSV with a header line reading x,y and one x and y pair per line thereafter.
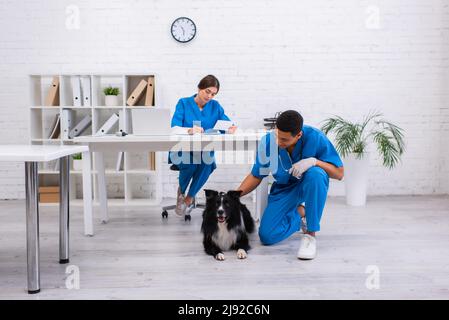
x,y
183,29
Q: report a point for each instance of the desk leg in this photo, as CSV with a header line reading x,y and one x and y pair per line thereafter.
x,y
102,193
32,223
261,198
87,194
64,208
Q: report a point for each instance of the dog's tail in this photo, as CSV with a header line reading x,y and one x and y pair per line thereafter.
x,y
247,219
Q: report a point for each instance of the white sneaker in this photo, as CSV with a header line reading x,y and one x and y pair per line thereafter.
x,y
307,249
180,204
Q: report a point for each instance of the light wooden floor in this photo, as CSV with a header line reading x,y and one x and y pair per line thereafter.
x,y
139,256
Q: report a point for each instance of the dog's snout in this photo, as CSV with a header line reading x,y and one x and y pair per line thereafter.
x,y
220,212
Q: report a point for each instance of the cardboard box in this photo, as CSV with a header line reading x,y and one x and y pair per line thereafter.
x,y
49,194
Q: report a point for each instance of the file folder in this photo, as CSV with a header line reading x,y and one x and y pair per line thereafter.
x,y
52,98
55,129
67,122
137,93
149,98
76,89
107,126
121,121
119,165
80,127
85,83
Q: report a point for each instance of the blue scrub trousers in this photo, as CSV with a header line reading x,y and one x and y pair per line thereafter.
x,y
281,218
196,175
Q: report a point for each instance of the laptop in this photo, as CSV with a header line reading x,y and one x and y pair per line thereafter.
x,y
150,121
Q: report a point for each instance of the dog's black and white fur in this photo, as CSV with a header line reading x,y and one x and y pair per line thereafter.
x,y
226,224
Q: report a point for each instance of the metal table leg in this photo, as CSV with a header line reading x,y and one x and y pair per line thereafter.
x,y
32,223
64,177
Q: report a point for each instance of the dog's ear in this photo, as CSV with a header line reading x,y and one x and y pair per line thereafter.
x,y
236,194
210,193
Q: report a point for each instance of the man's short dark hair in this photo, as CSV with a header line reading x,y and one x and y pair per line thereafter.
x,y
290,121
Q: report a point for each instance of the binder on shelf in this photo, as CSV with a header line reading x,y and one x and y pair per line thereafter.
x,y
149,98
152,160
76,89
80,127
85,83
55,129
52,98
121,121
67,122
107,126
137,93
56,165
119,165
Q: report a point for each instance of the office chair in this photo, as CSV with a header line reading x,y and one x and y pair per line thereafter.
x,y
187,217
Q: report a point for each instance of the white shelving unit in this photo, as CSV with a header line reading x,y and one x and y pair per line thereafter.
x,y
137,184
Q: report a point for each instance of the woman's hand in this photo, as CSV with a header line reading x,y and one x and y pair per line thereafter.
x,y
232,129
195,129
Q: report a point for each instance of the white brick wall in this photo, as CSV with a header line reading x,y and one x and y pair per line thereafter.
x,y
321,56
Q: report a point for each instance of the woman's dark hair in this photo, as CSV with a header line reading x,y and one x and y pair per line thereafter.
x,y
209,81
290,121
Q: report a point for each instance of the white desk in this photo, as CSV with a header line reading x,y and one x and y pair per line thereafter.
x,y
31,155
99,144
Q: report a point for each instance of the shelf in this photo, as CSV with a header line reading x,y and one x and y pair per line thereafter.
x,y
126,184
46,140
45,107
107,172
109,107
141,171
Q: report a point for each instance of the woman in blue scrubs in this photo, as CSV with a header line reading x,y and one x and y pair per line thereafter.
x,y
301,160
193,115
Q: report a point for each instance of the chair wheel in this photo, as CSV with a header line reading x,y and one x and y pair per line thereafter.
x,y
165,214
187,217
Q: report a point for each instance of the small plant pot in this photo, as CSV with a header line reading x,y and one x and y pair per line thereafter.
x,y
111,101
356,179
77,165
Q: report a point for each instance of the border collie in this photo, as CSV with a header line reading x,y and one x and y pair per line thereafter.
x,y
226,222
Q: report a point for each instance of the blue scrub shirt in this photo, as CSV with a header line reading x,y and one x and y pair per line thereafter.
x,y
272,159
188,111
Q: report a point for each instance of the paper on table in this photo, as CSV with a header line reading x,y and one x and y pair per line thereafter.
x,y
223,125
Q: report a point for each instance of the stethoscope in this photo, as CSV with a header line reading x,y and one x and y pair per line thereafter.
x,y
290,158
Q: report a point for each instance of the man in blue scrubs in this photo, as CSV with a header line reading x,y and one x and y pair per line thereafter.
x,y
301,160
196,114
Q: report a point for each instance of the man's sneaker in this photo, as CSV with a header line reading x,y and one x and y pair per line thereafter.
x,y
180,204
303,225
189,208
307,249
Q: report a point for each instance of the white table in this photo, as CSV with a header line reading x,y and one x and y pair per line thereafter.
x,y
239,141
31,155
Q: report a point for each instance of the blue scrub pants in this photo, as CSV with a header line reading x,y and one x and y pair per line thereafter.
x,y
281,218
196,175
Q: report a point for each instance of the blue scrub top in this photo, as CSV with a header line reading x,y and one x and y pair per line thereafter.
x,y
188,111
272,159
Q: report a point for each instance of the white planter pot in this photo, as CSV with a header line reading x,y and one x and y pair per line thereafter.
x,y
111,101
356,179
77,165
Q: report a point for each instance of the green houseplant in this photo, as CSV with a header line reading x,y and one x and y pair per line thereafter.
x,y
111,96
351,141
77,162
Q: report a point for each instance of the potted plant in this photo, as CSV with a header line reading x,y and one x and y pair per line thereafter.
x,y
351,140
77,162
111,96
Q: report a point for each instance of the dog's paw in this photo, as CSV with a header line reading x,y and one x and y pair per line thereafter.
x,y
220,257
241,254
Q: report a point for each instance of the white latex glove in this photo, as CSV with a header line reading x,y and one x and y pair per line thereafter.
x,y
302,166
